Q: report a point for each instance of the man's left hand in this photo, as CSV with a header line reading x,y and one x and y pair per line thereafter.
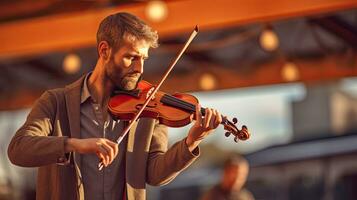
x,y
203,126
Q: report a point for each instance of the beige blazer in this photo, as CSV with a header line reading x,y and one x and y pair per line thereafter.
x,y
55,116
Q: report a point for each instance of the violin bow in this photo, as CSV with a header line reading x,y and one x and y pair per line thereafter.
x,y
135,118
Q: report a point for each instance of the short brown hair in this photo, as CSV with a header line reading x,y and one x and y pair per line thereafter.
x,y
114,27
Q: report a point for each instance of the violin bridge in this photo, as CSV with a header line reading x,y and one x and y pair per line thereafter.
x,y
149,93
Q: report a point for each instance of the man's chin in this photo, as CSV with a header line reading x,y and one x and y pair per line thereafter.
x,y
129,86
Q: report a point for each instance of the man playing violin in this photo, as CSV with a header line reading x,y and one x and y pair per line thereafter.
x,y
69,129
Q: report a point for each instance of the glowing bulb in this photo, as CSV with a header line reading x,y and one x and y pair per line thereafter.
x,y
71,63
290,72
269,40
208,81
156,11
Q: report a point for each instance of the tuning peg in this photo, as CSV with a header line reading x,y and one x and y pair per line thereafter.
x,y
235,120
236,139
227,134
244,134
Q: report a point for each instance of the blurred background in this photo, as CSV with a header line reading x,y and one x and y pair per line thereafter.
x,y
286,69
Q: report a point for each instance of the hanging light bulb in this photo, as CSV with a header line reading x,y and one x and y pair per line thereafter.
x,y
71,63
290,72
268,39
208,81
156,10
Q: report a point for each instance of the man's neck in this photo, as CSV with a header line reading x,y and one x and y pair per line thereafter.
x,y
100,86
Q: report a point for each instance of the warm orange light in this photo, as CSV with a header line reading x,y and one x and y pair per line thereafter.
x,y
208,81
268,39
156,10
290,72
71,63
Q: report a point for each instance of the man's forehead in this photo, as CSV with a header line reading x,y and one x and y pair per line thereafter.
x,y
135,43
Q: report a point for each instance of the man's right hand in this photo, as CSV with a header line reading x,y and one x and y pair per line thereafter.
x,y
105,149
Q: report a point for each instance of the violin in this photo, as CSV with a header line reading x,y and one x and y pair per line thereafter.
x,y
174,110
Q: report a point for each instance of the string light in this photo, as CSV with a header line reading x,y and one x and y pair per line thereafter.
x,y
208,81
290,72
156,10
71,63
268,39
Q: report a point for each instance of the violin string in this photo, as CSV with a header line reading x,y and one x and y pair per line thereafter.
x,y
174,101
178,103
182,104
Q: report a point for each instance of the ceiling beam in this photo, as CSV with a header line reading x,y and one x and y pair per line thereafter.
x,y
332,67
19,100
338,27
69,31
13,9
329,68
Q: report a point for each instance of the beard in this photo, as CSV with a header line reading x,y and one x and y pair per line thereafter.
x,y
130,81
126,82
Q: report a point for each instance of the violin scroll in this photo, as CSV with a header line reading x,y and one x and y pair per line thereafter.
x,y
231,128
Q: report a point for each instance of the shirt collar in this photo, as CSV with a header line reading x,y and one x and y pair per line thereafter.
x,y
85,94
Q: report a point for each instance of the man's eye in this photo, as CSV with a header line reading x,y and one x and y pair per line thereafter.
x,y
131,58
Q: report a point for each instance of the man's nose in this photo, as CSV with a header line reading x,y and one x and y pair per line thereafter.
x,y
139,66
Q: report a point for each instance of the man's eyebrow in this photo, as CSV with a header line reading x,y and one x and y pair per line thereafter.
x,y
133,53
137,54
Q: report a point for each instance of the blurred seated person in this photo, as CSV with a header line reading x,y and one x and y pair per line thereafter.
x,y
234,176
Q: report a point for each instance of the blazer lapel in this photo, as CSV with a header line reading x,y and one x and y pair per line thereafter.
x,y
72,96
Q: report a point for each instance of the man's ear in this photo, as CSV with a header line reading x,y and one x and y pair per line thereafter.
x,y
104,50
